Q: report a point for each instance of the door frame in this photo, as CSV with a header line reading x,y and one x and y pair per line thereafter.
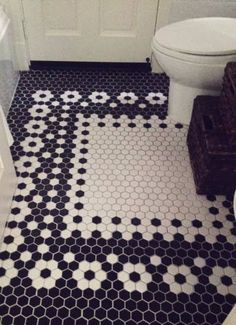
x,y
92,28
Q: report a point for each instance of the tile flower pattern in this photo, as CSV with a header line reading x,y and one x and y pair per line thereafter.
x,y
45,274
99,97
156,98
89,275
42,96
105,226
71,96
127,98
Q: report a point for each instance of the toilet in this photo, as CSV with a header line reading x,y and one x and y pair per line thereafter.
x,y
194,53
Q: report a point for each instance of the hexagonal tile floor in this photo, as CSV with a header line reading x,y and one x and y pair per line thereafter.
x,y
105,226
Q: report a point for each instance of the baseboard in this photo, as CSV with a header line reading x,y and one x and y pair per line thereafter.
x,y
21,56
61,65
14,92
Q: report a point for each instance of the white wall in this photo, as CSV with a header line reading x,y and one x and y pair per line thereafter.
x,y
175,10
4,2
8,68
15,12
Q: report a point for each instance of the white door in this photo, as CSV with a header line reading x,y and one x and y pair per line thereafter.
x,y
90,30
8,178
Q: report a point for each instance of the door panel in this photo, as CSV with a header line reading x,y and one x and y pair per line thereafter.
x,y
90,30
124,18
61,20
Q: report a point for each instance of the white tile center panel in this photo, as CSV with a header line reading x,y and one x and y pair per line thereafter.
x,y
138,179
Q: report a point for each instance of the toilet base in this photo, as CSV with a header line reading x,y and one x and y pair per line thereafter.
x,y
181,99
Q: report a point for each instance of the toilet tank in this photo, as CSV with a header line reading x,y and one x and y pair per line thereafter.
x,y
8,73
171,11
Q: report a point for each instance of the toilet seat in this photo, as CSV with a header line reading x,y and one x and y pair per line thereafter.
x,y
192,58
219,37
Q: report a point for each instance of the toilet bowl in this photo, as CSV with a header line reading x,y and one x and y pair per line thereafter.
x,y
194,53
